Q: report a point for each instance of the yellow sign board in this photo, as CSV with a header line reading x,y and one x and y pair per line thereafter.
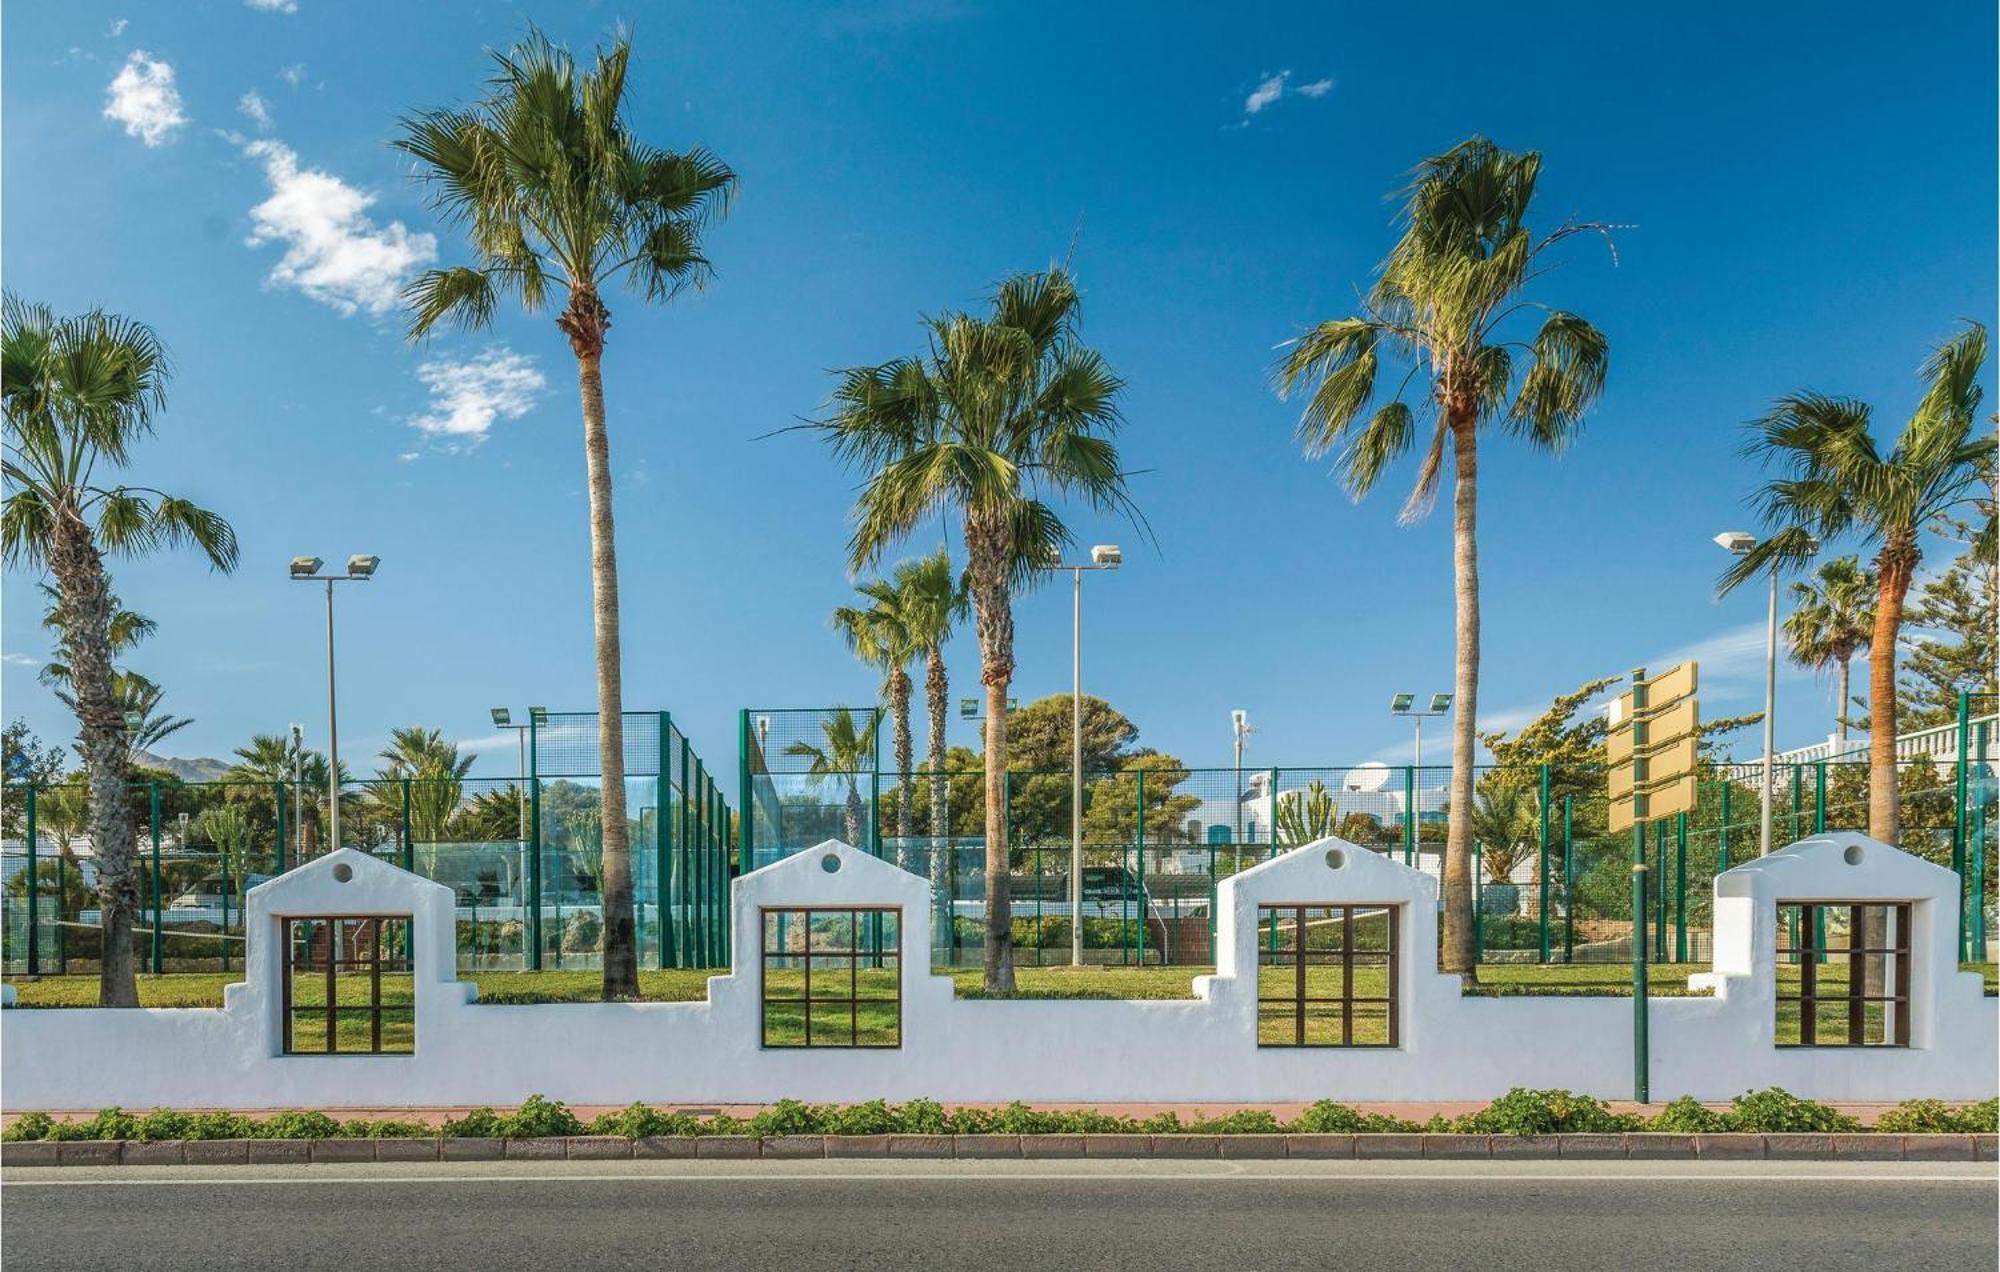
x,y
1674,796
1671,760
1620,781
1668,686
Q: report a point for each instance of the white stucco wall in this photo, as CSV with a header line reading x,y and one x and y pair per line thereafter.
x,y
1201,1049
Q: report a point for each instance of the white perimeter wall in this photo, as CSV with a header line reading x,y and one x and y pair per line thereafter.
x,y
1197,1050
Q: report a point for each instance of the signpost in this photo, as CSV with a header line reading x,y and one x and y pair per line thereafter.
x,y
1652,751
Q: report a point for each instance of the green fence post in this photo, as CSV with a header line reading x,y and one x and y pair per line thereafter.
x,y
1007,832
1542,870
1641,1078
1569,887
34,892
223,939
1141,775
667,949
1722,835
875,791
1660,893
1273,779
1410,815
1960,786
1978,859
408,845
159,946
278,789
1211,901
745,798
1819,797
690,819
62,916
1798,800
1681,888
534,846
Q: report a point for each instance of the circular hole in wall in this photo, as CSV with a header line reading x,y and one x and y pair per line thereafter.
x,y
1853,855
1335,858
830,862
343,872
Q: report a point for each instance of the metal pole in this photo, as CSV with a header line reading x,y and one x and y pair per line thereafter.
x,y
1681,889
1978,860
534,848
332,735
1542,872
1819,798
1641,1064
1722,835
34,892
1961,791
278,789
521,778
159,946
666,933
1770,713
1569,888
1141,775
1409,815
1076,772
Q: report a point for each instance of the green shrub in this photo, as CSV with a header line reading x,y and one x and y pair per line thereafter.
x,y
390,1128
480,1123
972,1122
923,1117
1553,1112
1982,1118
637,1121
1689,1116
872,1117
722,1124
215,1126
790,1117
300,1124
29,1126
1935,1117
109,1124
540,1117
1324,1117
1777,1111
1162,1123
161,1124
1241,1122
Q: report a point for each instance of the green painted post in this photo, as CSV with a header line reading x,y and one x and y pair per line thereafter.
x,y
1211,901
1410,815
667,950
1641,1064
223,940
1478,911
34,891
62,917
159,946
1681,888
1819,797
746,799
875,792
1660,893
1960,782
1978,857
1007,831
1722,835
1542,870
278,788
1798,800
1273,798
1141,775
690,822
534,845
1039,942
1569,887
409,849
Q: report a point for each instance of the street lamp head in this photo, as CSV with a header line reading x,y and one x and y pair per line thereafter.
x,y
1107,555
540,715
502,717
1401,703
1440,703
304,567
1736,541
361,565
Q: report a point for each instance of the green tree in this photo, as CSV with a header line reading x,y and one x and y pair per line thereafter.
x,y
127,628
435,772
932,600
879,635
845,751
1306,816
1443,305
1833,615
1505,822
1958,608
27,761
1834,481
1112,816
229,829
560,200
1001,413
79,394
271,759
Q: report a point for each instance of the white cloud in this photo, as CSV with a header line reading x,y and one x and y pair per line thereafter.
x,y
252,105
1318,88
274,6
1269,90
118,26
468,395
142,97
294,74
20,660
333,252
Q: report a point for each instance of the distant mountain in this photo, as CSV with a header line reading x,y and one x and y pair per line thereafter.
x,y
195,770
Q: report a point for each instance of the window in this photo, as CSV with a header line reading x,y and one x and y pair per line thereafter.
x,y
1326,975
347,987
833,978
1843,974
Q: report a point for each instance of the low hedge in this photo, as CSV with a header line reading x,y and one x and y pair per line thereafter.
x,y
1519,1112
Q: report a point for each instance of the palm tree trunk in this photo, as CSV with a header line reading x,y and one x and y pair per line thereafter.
x,y
937,699
899,707
86,615
987,544
1895,565
621,956
852,816
1458,953
1840,704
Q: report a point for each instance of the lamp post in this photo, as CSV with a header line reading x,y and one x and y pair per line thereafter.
x,y
503,719
1739,543
1404,704
305,569
299,789
1105,556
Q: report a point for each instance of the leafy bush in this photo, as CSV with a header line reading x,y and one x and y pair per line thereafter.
x,y
1324,1117
480,1123
216,1126
1689,1116
162,1124
539,1117
790,1117
1935,1117
300,1124
636,1121
1241,1122
1553,1112
1982,1118
388,1128
108,1124
1777,1111
923,1117
29,1126
872,1117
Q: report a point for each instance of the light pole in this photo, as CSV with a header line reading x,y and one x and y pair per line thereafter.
x,y
503,718
1741,544
1240,731
1404,704
299,788
1105,556
305,569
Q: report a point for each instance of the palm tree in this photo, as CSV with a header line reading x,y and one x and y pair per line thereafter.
x,y
138,702
1833,480
558,196
931,598
879,636
127,629
274,759
1832,617
1000,413
435,772
1444,305
79,393
845,751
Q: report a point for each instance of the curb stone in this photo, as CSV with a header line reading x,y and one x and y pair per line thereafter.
x,y
662,1147
424,1149
1320,1147
1246,1147
535,1148
1539,1147
1642,1146
1938,1148
1051,1146
28,1153
599,1148
1986,1147
920,1146
342,1150
272,1152
1458,1147
467,1148
734,1147
1386,1146
1186,1146
157,1153
983,1146
90,1152
1867,1148
792,1146
857,1146
1800,1147
222,1152
1730,1145
1591,1147
1117,1146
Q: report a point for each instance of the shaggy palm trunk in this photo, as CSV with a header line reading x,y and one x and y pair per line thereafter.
x,y
86,623
899,709
987,544
937,700
1458,953
1840,704
1895,566
585,322
852,816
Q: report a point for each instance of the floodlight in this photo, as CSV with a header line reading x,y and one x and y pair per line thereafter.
x,y
1107,555
540,715
1401,703
134,719
502,717
361,565
1440,703
304,567
1736,541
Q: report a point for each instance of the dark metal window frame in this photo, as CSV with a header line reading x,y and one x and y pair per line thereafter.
x,y
375,963
1389,957
1808,954
855,954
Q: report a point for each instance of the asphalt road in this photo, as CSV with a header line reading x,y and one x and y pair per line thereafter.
x,y
881,1216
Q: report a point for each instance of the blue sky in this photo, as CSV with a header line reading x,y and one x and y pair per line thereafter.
x,y
1811,190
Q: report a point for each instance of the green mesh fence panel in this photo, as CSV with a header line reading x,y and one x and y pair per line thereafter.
x,y
813,776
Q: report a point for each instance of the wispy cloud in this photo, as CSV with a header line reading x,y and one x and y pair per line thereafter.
x,y
1318,88
117,28
143,98
1274,86
469,395
333,252
294,74
273,6
256,109
20,660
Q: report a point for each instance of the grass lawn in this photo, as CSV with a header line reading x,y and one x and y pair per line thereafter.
x,y
204,989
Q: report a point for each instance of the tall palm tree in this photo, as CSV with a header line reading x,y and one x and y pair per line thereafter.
x,y
1832,618
845,751
1444,306
1000,413
273,759
436,774
138,702
79,393
931,597
127,628
560,200
879,635
1833,480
